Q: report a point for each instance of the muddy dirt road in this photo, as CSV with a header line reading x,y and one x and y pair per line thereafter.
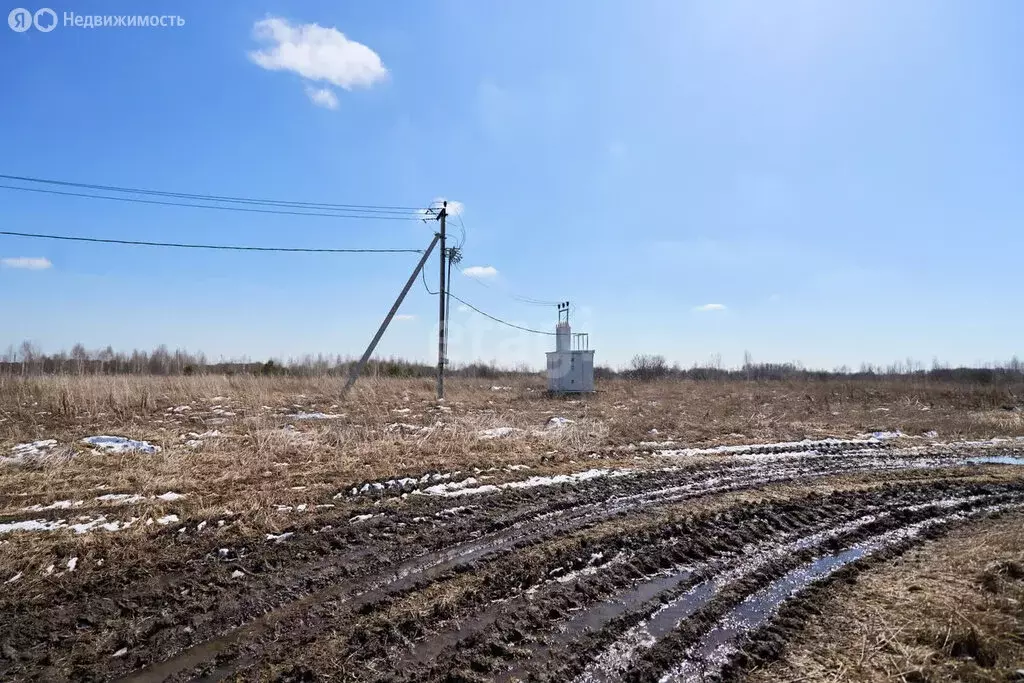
x,y
673,570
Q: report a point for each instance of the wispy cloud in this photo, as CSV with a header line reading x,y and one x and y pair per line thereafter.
x,y
405,316
26,263
318,54
322,97
710,307
454,208
481,271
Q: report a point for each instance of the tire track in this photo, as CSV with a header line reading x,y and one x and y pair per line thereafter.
x,y
558,521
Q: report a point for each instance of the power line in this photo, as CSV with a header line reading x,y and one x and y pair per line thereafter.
x,y
498,319
226,247
213,197
522,299
136,200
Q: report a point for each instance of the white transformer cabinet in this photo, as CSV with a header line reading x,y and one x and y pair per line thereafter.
x,y
571,364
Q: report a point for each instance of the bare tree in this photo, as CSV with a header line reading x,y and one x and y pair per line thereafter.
x,y
79,356
647,366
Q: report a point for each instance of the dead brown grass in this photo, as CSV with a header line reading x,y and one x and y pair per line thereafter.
x,y
948,611
264,458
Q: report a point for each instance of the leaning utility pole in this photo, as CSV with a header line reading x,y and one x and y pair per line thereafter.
x,y
358,367
441,308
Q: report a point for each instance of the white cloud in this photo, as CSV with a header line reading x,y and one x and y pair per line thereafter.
x,y
454,208
463,308
27,263
710,307
481,271
322,97
405,316
316,53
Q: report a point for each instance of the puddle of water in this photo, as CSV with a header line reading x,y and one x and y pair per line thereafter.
x,y
720,644
998,460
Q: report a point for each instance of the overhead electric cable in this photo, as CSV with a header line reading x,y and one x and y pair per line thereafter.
x,y
136,200
499,320
219,198
521,299
227,247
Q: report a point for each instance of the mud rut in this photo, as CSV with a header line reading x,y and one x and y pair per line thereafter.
x,y
523,585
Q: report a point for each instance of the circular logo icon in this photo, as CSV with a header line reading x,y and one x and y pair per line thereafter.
x,y
20,19
45,20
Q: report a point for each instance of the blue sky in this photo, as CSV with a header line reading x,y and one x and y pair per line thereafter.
x,y
842,179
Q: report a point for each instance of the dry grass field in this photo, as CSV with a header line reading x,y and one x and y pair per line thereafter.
x,y
260,528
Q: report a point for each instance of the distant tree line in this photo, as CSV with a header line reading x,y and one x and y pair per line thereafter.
x,y
28,359
648,367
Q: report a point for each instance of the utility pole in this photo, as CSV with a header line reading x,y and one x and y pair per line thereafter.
x,y
357,369
441,307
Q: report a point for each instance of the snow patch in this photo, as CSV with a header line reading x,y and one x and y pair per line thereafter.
x,y
883,436
120,498
57,505
24,452
498,432
468,487
360,518
315,416
120,444
80,527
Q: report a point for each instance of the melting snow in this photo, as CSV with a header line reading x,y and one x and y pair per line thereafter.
x,y
28,451
468,487
805,445
167,519
15,577
498,432
360,518
57,505
171,496
556,422
29,525
315,416
72,563
120,444
883,436
56,525
277,538
121,498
